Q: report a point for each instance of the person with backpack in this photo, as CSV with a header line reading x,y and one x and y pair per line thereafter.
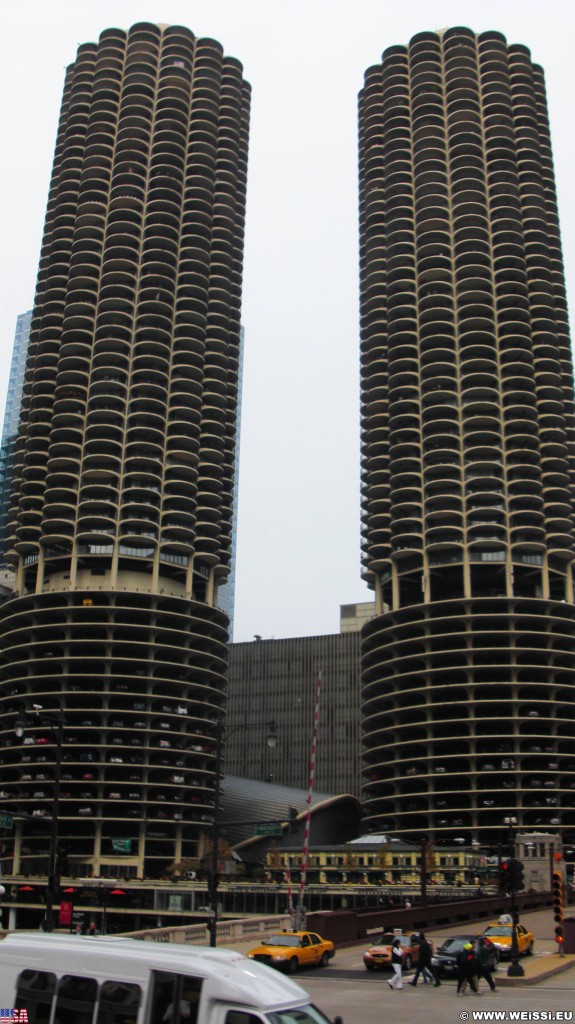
x,y
397,953
424,964
467,966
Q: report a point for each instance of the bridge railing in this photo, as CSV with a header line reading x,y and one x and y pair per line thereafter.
x,y
238,930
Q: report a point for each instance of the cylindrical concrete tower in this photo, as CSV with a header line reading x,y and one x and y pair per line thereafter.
x,y
122,505
468,670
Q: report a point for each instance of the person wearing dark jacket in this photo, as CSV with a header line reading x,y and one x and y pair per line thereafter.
x,y
483,957
467,966
424,965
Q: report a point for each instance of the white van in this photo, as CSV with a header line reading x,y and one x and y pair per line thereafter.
x,y
61,979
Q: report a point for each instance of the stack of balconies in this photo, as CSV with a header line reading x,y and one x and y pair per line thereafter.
x,y
467,402
122,489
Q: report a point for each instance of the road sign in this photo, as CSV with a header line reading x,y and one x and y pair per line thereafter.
x,y
122,845
269,828
6,821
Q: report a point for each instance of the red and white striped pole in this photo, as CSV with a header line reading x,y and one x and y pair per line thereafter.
x,y
289,892
312,762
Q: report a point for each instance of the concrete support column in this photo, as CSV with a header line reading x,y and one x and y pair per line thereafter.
x,y
378,593
17,848
40,571
210,587
141,850
394,587
97,858
190,578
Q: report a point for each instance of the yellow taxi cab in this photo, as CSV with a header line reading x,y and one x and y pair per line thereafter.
x,y
501,932
291,950
378,956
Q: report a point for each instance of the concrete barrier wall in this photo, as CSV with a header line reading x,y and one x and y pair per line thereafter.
x,y
354,926
238,930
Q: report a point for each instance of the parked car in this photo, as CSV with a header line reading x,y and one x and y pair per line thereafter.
x,y
379,955
289,951
445,958
501,935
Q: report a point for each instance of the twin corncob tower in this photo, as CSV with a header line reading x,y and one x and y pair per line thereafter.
x,y
121,511
468,445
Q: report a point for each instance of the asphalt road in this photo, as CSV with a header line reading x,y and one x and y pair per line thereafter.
x,y
362,997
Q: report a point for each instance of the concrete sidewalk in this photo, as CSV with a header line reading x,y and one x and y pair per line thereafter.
x,y
537,968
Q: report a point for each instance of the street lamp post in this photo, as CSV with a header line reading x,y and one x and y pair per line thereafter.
x,y
424,864
214,875
56,723
515,969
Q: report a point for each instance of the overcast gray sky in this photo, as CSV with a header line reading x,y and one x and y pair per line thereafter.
x,y
299,529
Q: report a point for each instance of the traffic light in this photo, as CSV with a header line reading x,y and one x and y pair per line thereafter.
x,y
557,896
517,876
559,934
505,876
292,820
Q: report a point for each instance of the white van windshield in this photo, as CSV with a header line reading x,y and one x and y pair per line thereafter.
x,y
303,1015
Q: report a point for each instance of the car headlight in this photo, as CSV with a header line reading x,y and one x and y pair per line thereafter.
x,y
434,961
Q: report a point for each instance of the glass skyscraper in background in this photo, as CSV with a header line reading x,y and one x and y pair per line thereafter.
x,y
11,419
